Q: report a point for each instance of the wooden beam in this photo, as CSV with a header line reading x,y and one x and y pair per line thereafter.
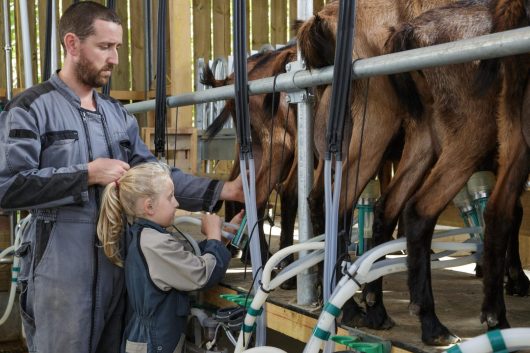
x,y
180,58
279,22
221,28
121,76
260,24
293,6
137,49
202,33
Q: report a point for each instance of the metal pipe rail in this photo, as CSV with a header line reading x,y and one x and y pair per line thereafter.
x,y
489,46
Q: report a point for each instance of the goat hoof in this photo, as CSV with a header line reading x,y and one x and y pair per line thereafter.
x,y
370,299
490,319
442,340
414,309
517,285
385,323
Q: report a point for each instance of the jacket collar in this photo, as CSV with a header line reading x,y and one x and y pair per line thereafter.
x,y
143,223
69,94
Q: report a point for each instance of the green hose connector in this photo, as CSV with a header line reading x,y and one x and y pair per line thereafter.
x,y
355,343
239,299
238,240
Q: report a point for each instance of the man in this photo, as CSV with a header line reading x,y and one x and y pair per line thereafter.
x,y
60,143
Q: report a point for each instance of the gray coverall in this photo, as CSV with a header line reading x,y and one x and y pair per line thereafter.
x,y
71,295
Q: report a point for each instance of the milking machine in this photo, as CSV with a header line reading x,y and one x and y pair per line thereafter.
x,y
364,270
480,186
471,202
365,215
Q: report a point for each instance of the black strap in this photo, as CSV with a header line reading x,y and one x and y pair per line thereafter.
x,y
342,72
48,42
241,79
160,101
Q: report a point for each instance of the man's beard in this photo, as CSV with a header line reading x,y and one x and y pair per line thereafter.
x,y
90,75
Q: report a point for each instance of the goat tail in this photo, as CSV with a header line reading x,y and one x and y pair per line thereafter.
x,y
401,39
208,78
317,42
218,123
506,15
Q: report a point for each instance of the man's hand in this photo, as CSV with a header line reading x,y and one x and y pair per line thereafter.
x,y
233,190
103,171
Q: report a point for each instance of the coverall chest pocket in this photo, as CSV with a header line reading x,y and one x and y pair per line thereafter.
x,y
60,149
124,146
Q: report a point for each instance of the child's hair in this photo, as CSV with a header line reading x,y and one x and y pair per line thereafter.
x,y
120,197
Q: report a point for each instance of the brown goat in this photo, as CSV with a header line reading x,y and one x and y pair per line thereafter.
x,y
504,212
273,129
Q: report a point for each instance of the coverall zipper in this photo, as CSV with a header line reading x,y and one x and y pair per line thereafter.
x,y
96,260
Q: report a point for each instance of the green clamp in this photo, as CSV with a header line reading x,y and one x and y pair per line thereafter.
x,y
239,299
358,346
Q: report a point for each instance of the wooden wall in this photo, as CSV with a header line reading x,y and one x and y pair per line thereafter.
x,y
196,29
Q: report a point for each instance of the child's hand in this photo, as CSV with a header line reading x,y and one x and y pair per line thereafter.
x,y
211,226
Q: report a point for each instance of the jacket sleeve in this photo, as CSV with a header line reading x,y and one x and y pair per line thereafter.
x,y
193,193
23,183
171,266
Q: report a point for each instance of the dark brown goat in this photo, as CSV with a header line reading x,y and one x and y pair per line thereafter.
x,y
384,116
460,132
504,212
273,129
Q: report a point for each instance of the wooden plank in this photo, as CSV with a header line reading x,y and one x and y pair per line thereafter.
x,y
121,73
221,28
260,24
202,29
138,55
18,53
279,22
186,146
42,34
180,59
293,6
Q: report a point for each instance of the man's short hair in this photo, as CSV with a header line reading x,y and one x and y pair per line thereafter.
x,y
79,19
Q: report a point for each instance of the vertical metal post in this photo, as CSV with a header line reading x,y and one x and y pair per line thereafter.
x,y
26,46
53,37
306,291
7,49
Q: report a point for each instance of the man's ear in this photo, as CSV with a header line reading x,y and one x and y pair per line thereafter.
x,y
71,44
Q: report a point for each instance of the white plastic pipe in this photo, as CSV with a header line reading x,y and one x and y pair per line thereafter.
x,y
14,269
198,222
266,284
514,338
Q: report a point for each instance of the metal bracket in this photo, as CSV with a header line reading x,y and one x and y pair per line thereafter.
x,y
298,95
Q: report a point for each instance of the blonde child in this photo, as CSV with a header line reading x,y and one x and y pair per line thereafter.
x,y
158,270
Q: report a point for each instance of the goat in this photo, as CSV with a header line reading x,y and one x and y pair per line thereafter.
x,y
384,115
273,129
503,215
